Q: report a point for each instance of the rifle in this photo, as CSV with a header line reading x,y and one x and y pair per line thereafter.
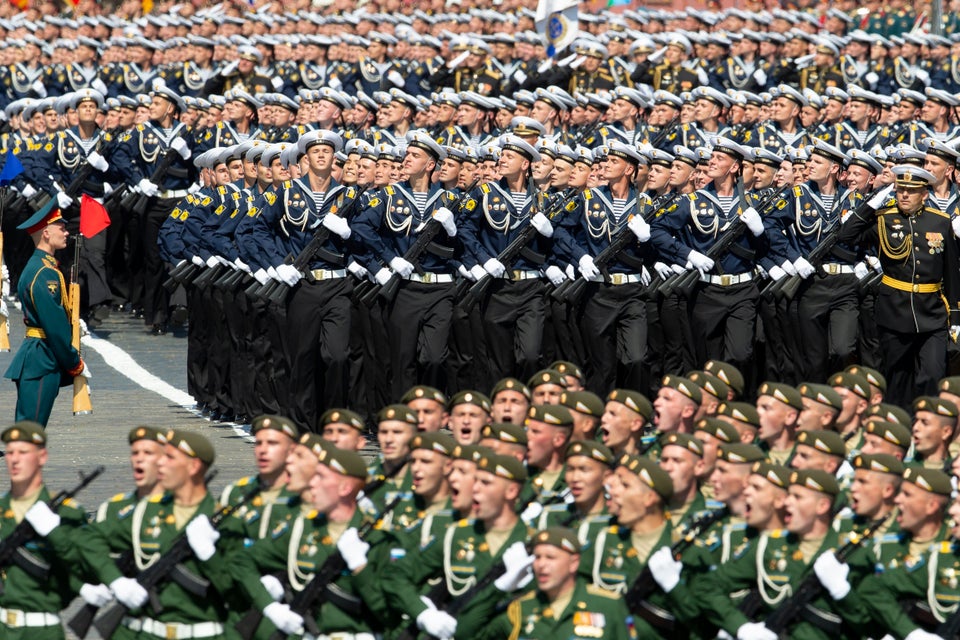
x,y
662,134
314,592
86,169
518,246
81,392
186,270
137,202
24,532
810,587
412,255
160,570
644,584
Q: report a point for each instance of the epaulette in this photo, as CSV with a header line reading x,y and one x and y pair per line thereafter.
x,y
118,497
140,127
485,188
594,590
374,201
389,190
206,200
313,514
797,191
70,502
61,134
270,197
107,137
287,184
156,499
587,194
778,533
937,212
222,190
570,206
531,595
252,212
692,197
465,522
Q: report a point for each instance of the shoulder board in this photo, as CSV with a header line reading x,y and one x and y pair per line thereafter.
x,y
594,590
287,184
374,201
797,191
270,196
937,212
140,127
70,502
692,197
529,596
244,481
206,200
570,206
61,134
946,546
778,533
465,522
351,192
222,190
118,497
156,499
313,514
389,190
587,194
485,188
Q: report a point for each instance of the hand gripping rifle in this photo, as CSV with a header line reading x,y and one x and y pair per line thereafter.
x,y
519,246
137,202
81,392
422,244
166,566
85,170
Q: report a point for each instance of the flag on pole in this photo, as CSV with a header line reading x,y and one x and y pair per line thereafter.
x,y
557,23
93,216
11,169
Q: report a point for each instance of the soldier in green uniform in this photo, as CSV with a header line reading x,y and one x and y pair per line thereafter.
x,y
43,579
934,425
587,468
563,605
626,419
430,458
548,432
46,359
778,407
146,447
396,426
343,428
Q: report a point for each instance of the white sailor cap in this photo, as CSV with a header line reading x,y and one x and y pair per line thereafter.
x,y
421,139
515,143
865,160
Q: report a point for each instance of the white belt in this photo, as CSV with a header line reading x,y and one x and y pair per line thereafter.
x,y
17,618
173,193
430,278
835,269
727,280
328,274
341,636
624,278
517,274
173,630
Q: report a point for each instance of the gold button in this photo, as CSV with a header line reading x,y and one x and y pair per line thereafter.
x,y
916,288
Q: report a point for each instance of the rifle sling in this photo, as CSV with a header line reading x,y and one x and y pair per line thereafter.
x,y
439,250
331,257
533,256
347,602
190,581
658,618
843,254
827,621
31,564
742,252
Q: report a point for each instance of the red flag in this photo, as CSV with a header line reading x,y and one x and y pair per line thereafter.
x,y
93,216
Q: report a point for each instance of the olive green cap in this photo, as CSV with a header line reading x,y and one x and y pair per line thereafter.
x,y
191,443
873,376
950,385
585,402
723,431
932,480
342,416
400,412
852,381
505,432
741,411
822,394
633,400
889,412
510,384
25,431
423,391
568,368
728,373
828,442
546,376
881,462
560,537
591,449
740,453
470,452
144,432
315,443
442,443
710,384
776,474
503,466
684,385
892,432
783,392
815,479
936,405
275,423
470,397
651,474
684,440
346,463
552,414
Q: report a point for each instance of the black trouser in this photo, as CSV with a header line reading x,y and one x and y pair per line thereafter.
x,y
779,334
418,327
200,312
870,353
723,321
614,330
468,359
677,345
513,317
238,320
318,329
156,299
828,315
913,363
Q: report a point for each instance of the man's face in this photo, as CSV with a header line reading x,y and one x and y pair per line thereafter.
x,y
868,492
859,178
511,163
325,484
616,168
560,175
543,440
489,494
449,170
819,168
270,449
631,499
803,506
763,499
618,425
721,165
773,416
672,408
729,480
553,566
679,174
173,468
585,477
143,461
427,468
808,457
681,465
301,464
431,415
25,461
658,178
815,415
466,422
940,168
873,444
343,436
461,478
915,506
929,432
394,437
547,393
509,406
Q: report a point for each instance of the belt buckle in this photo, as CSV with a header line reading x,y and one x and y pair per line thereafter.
x,y
833,269
171,631
427,278
726,280
516,274
11,618
617,278
916,288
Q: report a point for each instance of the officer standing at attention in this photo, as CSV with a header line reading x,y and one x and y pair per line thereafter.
x,y
46,360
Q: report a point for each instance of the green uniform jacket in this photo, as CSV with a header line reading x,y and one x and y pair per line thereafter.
x,y
566,515
255,520
593,613
43,295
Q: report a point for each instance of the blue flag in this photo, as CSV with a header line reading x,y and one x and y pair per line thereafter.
x,y
11,169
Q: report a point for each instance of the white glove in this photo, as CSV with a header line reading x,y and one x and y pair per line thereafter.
x,y
382,277
148,188
494,267
872,78
289,274
261,276
657,55
436,623
571,272
129,592
923,76
456,62
465,273
579,61
38,87
804,268
755,631
545,65
531,513
589,269
230,68
180,146
97,595
645,277
788,268
477,272
662,270
277,83
804,61
776,273
352,549
860,270
445,217
194,188
881,198
697,260
565,62
212,262
640,228
86,371
555,275
760,76
954,332
28,191
97,85
518,563
283,618
334,83
920,634
202,537
63,200
751,218
395,77
4,281
401,266
665,569
42,519
677,269
240,264
4,312
97,161
874,263
107,189
955,223
197,260
357,269
273,587
337,224
542,225
832,574
272,272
